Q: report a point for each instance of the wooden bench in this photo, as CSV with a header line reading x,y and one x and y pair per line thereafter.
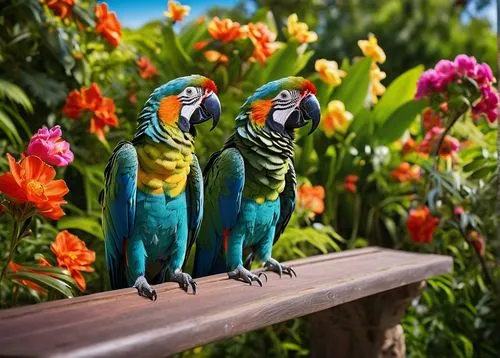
x,y
352,298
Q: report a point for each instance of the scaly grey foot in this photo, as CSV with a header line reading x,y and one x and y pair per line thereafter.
x,y
144,289
241,273
275,266
184,280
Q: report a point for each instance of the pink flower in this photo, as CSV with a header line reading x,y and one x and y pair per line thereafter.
x,y
48,145
429,82
483,74
447,70
465,65
488,105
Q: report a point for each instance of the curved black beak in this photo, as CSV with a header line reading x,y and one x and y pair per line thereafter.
x,y
309,109
209,108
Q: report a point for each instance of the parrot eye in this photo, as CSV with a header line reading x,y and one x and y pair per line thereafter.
x,y
189,92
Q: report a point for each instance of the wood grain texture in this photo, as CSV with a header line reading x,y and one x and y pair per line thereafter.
x,y
120,323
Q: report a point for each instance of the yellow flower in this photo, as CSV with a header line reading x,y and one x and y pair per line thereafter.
x,y
370,48
329,72
376,88
336,119
176,11
299,31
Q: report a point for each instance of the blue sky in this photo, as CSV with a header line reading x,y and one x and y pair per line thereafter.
x,y
134,13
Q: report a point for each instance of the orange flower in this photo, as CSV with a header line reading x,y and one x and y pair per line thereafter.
x,y
226,30
73,254
61,8
409,146
147,69
448,149
311,198
200,45
406,173
32,181
176,11
377,89
15,268
263,40
350,183
216,56
421,224
107,24
91,99
430,119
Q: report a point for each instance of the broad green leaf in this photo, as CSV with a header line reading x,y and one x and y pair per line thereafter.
x,y
15,94
362,125
400,91
394,127
9,129
44,281
81,223
354,88
178,59
483,172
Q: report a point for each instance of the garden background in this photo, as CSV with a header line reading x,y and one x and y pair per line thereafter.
x,y
371,175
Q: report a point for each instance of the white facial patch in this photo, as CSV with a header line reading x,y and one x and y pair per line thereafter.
x,y
284,104
191,98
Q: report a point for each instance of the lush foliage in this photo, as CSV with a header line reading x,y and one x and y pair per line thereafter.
x,y
411,166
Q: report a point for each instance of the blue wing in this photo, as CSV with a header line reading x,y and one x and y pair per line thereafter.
x,y
118,212
194,197
224,182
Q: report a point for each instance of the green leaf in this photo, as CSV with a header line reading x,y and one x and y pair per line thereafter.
x,y
362,125
399,121
354,88
44,281
15,94
9,129
86,224
174,53
483,172
400,91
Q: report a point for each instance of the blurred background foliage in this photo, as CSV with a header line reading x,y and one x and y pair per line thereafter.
x,y
44,56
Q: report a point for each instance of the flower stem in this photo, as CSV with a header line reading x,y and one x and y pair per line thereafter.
x,y
443,136
484,266
13,244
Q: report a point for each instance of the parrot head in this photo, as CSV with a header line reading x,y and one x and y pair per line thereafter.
x,y
284,105
183,102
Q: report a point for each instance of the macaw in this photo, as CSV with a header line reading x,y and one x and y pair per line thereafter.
x,y
152,203
250,184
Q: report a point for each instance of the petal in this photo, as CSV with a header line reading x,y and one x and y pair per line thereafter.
x,y
56,189
15,169
9,187
79,279
35,168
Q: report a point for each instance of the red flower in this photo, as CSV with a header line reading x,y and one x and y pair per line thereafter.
x,y
430,119
350,183
91,99
406,173
73,254
107,24
32,181
147,69
61,8
448,148
409,146
477,242
421,224
311,198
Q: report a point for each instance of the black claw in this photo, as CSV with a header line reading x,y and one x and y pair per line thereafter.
x,y
263,274
293,271
154,296
256,278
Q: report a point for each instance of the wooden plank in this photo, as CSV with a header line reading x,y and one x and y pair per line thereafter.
x,y
120,323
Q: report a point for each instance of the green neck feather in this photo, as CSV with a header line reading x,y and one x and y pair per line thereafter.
x,y
267,156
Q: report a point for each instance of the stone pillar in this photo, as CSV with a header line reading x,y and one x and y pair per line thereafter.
x,y
365,328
